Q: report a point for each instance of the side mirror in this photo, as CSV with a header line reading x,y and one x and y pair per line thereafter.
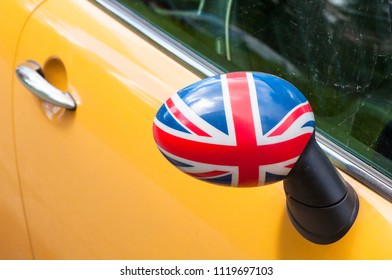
x,y
249,129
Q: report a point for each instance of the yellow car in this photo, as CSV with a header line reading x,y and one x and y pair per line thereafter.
x,y
86,161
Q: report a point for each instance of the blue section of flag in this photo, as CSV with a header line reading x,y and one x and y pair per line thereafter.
x,y
272,178
176,162
206,101
310,124
221,180
276,98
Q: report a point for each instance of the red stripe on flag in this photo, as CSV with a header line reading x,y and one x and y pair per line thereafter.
x,y
244,127
291,119
218,154
290,165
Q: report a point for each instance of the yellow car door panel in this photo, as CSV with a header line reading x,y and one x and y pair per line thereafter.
x,y
95,185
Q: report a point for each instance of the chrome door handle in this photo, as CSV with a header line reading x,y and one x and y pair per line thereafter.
x,y
30,75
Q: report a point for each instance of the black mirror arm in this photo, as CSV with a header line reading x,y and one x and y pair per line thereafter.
x,y
321,204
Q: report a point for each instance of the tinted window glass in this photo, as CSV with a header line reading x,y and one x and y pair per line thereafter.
x,y
337,52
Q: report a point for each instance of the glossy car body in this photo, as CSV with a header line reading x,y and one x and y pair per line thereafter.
x,y
92,184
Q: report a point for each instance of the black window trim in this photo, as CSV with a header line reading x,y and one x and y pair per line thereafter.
x,y
340,157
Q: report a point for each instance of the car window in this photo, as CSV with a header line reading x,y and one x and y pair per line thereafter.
x,y
337,52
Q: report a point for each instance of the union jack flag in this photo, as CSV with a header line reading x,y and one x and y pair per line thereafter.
x,y
239,129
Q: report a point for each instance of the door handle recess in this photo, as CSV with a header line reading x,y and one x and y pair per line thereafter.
x,y
30,75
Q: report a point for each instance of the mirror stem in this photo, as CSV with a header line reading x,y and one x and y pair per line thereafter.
x,y
321,205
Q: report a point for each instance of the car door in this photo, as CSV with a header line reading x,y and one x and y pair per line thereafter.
x,y
95,185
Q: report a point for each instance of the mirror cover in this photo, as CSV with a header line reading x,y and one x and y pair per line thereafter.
x,y
237,129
